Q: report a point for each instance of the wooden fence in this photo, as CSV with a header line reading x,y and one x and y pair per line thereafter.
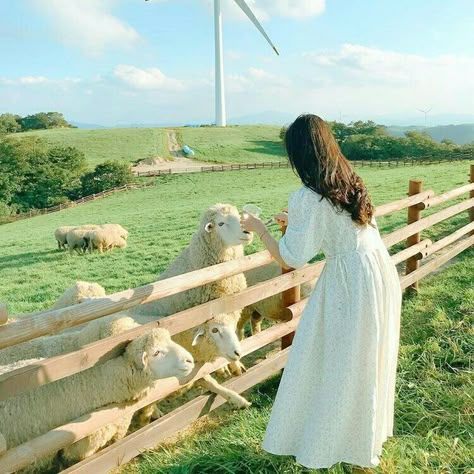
x,y
431,255
213,168
285,164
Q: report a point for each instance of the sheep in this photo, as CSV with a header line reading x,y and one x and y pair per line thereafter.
x,y
218,239
79,292
104,239
75,239
272,307
123,233
60,236
127,378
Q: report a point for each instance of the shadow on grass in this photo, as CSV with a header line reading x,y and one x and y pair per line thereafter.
x,y
20,260
268,147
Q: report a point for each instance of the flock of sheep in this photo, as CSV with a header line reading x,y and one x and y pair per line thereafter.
x,y
146,359
90,237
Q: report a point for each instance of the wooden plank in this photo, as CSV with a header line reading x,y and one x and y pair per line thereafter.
x,y
48,370
151,435
47,322
54,440
411,251
434,201
402,203
400,234
414,215
289,297
3,314
471,195
444,242
436,262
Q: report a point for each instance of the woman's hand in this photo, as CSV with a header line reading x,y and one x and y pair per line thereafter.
x,y
250,223
281,218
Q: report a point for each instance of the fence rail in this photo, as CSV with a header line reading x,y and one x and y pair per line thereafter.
x,y
430,254
213,168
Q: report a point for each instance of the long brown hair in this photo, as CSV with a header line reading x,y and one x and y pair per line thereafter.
x,y
317,159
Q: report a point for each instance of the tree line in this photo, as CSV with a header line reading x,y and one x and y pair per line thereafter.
x,y
369,141
35,174
12,123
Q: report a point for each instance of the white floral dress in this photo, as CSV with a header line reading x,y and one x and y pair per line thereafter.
x,y
336,396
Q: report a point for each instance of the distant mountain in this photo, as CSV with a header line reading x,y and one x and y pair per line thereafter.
x,y
459,134
88,126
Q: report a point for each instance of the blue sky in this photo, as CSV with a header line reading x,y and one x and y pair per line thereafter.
x,y
131,61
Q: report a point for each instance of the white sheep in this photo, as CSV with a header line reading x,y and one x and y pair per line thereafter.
x,y
272,307
218,239
103,240
60,236
75,239
124,379
122,232
79,292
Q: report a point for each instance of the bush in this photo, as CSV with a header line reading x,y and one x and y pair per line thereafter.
x,y
109,174
283,132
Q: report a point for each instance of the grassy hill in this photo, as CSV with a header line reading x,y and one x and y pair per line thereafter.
x,y
459,134
123,144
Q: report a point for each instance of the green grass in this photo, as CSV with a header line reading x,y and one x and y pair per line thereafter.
x,y
434,386
123,144
234,144
433,420
161,220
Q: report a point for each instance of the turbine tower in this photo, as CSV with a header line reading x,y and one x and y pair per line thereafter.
x,y
219,62
220,94
426,113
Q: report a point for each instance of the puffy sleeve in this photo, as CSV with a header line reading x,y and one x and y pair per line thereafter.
x,y
306,228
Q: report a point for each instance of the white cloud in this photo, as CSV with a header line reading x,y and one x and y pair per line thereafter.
x,y
37,80
147,79
265,9
88,25
256,80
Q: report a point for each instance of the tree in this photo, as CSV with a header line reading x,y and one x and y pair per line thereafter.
x,y
109,174
35,175
9,123
43,120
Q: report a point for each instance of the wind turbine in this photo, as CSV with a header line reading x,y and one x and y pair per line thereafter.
x,y
425,112
219,62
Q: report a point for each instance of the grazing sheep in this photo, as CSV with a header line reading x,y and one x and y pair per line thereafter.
x,y
127,378
60,236
123,233
75,239
270,308
106,237
218,239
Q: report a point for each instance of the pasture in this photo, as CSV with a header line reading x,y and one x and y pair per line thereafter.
x,y
122,144
433,399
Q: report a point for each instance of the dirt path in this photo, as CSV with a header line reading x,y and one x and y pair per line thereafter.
x,y
179,163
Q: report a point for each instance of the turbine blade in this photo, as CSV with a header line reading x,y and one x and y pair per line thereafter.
x,y
246,9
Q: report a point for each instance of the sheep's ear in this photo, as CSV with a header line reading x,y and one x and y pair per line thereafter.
x,y
200,332
209,226
142,360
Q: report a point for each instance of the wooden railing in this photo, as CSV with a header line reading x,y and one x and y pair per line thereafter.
x,y
430,254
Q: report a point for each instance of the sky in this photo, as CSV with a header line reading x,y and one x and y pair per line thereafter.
x,y
113,62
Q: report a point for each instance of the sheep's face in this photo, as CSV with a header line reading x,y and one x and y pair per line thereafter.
x,y
166,359
226,224
223,337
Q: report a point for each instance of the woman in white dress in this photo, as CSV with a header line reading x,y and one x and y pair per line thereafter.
x,y
336,396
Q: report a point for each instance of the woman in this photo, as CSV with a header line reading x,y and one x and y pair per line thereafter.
x,y
336,396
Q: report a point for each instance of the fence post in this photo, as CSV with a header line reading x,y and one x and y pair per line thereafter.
x,y
471,195
415,187
3,314
291,296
